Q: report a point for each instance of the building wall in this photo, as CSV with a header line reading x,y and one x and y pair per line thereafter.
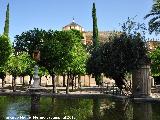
x,y
73,27
152,45
85,80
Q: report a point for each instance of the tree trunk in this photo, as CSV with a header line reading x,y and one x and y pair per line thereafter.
x,y
75,81
72,82
30,80
64,84
2,76
67,87
79,81
119,81
54,83
14,84
46,80
89,80
40,79
57,80
98,79
84,81
3,82
23,80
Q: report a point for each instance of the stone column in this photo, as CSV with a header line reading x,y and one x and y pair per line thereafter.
x,y
141,82
36,78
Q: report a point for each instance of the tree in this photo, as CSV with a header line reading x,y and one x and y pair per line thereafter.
x,y
52,53
95,28
155,62
6,27
5,49
125,52
122,55
94,65
19,64
26,64
95,45
77,65
154,23
29,41
131,27
40,40
57,54
3,74
42,72
56,49
14,69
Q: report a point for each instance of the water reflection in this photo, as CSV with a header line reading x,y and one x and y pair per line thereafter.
x,y
142,111
81,109
35,105
96,109
118,111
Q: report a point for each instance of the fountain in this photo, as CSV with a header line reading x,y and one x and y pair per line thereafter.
x,y
35,89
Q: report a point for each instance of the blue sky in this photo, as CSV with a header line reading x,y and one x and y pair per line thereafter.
x,y
54,14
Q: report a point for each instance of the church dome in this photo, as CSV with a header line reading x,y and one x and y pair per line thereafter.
x,y
73,25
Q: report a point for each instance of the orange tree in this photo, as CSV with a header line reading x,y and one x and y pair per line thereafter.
x,y
63,53
5,51
155,64
56,49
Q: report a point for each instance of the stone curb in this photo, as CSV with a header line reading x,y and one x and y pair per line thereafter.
x,y
82,95
72,95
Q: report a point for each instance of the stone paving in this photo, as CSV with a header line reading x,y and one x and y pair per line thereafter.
x,y
155,95
87,92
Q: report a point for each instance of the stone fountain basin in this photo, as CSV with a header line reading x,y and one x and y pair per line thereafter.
x,y
36,89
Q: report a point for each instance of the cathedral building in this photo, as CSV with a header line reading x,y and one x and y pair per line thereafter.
x,y
103,35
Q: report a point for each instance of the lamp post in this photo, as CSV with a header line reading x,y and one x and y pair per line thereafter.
x,y
36,57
